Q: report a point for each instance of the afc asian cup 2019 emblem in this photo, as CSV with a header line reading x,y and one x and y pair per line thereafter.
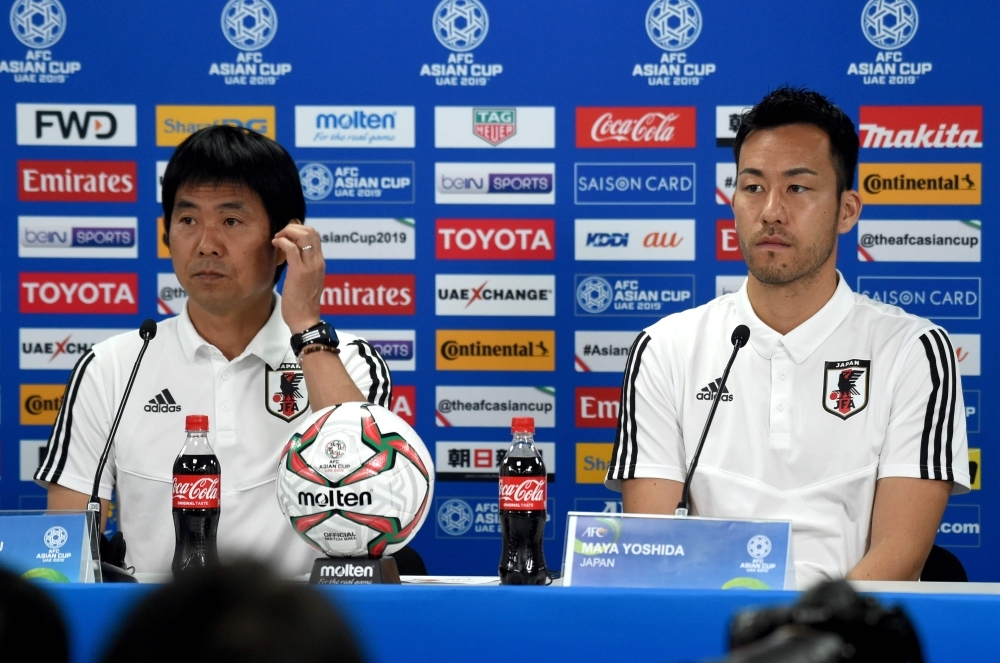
x,y
845,386
594,294
455,517
889,24
759,546
249,25
317,181
38,23
673,25
461,25
55,537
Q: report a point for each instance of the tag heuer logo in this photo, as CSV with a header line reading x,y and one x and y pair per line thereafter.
x,y
845,387
285,391
494,125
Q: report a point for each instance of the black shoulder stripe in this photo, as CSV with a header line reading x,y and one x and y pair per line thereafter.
x,y
379,373
929,414
62,431
626,449
950,354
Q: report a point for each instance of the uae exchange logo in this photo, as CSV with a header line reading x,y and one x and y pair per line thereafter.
x,y
594,294
461,25
38,23
673,25
249,25
889,24
317,181
455,517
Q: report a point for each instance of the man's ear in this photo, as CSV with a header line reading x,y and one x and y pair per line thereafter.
x,y
850,211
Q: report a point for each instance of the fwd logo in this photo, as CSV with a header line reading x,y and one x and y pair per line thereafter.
x,y
709,392
162,402
607,239
76,124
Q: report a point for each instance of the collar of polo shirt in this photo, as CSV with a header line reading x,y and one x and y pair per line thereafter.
x,y
802,341
271,344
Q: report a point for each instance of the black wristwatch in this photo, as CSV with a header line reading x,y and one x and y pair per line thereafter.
x,y
322,333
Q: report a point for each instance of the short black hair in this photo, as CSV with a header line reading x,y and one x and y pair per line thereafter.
x,y
239,613
29,618
791,105
234,155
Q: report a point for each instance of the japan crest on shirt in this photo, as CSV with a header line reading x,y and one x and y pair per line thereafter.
x,y
845,386
285,393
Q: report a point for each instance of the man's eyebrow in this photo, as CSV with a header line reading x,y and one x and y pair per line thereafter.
x,y
801,170
231,204
184,203
752,171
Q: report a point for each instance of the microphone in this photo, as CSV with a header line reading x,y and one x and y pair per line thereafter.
x,y
147,330
739,338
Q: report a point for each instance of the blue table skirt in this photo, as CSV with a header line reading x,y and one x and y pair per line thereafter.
x,y
442,624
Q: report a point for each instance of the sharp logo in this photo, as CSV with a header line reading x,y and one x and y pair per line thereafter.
x,y
78,124
709,392
162,402
335,498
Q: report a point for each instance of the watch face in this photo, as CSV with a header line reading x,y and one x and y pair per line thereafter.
x,y
323,333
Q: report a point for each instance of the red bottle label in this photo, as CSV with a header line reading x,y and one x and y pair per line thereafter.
x,y
196,491
523,493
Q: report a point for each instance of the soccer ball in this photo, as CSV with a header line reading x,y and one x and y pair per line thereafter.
x,y
355,480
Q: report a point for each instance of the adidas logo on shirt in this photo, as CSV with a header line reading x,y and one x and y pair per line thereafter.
x,y
708,392
162,402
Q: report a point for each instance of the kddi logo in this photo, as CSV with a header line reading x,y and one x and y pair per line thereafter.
x,y
249,25
39,25
461,26
889,25
339,498
673,25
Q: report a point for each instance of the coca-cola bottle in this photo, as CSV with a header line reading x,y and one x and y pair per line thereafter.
x,y
523,490
197,484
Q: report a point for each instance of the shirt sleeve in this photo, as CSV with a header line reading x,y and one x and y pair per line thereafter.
x,y
926,437
79,434
369,371
649,442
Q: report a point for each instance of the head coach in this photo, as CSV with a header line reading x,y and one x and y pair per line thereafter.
x,y
233,211
844,415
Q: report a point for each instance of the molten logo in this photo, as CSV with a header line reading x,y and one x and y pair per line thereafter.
x,y
635,127
196,491
522,493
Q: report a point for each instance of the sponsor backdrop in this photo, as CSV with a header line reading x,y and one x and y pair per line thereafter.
x,y
503,205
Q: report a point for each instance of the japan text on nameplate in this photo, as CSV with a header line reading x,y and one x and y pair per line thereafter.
x,y
626,550
46,546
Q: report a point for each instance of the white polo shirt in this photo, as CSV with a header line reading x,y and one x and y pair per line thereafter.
x,y
254,403
808,422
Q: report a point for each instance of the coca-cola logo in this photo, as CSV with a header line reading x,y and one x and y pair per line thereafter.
x,y
529,492
651,127
635,127
202,489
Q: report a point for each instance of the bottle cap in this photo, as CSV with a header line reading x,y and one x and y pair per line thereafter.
x,y
196,422
522,425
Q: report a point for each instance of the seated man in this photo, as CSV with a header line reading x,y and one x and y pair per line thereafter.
x,y
233,210
842,414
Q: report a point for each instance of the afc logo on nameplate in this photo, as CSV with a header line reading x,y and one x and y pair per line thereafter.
x,y
39,25
461,26
249,25
889,25
674,26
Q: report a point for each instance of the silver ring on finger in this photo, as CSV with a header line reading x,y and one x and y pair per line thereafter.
x,y
306,248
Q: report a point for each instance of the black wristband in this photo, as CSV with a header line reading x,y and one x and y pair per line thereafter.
x,y
322,333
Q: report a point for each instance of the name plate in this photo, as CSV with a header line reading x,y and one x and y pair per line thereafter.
x,y
354,571
630,550
51,547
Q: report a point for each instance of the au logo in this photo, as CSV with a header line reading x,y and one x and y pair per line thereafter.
x,y
285,393
845,387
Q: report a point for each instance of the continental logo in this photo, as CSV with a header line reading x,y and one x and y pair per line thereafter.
x,y
975,468
921,183
40,403
480,350
592,461
162,250
175,123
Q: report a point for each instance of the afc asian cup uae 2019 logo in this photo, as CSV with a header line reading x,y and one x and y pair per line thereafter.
x,y
55,537
317,181
249,25
889,24
461,25
594,294
759,546
38,23
455,517
673,25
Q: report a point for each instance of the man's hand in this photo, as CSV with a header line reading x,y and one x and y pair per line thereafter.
x,y
905,519
304,279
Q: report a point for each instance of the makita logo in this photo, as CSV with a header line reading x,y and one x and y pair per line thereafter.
x,y
635,127
162,402
347,570
607,239
520,239
921,126
78,293
708,393
338,498
76,181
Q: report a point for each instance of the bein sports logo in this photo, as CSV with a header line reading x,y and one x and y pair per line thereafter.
x,y
673,25
317,181
889,24
461,25
249,25
455,517
38,23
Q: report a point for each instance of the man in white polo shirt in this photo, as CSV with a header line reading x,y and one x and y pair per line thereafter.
x,y
233,206
842,414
